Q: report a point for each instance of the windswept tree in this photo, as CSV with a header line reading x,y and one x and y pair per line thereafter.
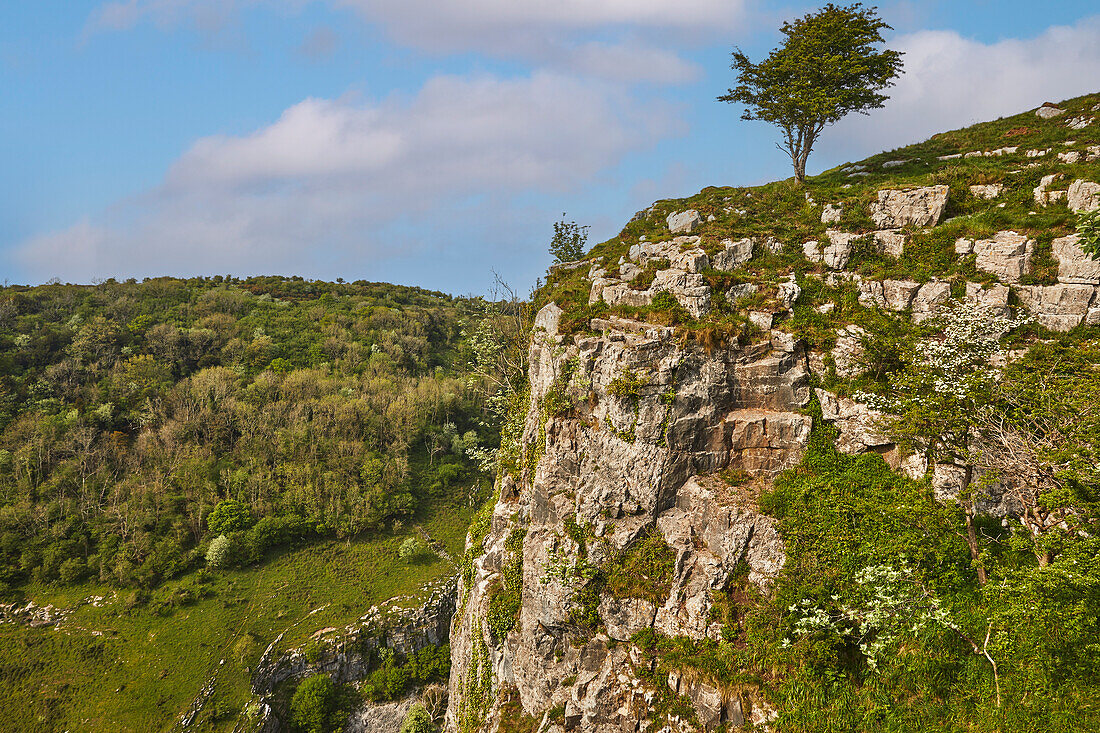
x,y
828,66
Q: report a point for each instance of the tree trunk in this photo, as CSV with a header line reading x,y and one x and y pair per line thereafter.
x,y
971,529
972,543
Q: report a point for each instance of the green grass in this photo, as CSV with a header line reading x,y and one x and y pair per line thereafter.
x,y
147,668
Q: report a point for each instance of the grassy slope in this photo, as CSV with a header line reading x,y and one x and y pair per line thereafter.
x,y
781,210
146,669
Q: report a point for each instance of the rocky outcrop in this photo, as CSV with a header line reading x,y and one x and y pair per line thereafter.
x,y
1083,196
1006,255
857,423
860,431
1040,193
681,278
986,191
831,213
848,352
684,222
994,297
345,655
649,423
836,252
1074,265
890,241
917,207
923,299
1049,111
1058,307
733,254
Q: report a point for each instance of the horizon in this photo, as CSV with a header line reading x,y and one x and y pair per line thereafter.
x,y
183,138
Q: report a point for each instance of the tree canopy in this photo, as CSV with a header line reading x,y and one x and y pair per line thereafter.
x,y
828,66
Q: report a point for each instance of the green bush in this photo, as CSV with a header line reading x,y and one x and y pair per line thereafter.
x,y
393,676
1088,226
417,720
229,516
314,706
412,548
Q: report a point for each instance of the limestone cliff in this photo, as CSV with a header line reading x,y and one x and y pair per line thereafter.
x,y
629,427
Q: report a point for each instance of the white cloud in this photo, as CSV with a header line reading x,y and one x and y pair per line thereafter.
x,y
618,40
629,61
951,82
339,185
464,24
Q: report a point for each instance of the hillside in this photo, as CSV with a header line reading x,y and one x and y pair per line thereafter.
x,y
812,458
315,427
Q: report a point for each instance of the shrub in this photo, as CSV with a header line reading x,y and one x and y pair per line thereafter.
x,y
229,516
72,570
417,720
1088,226
412,548
219,553
313,708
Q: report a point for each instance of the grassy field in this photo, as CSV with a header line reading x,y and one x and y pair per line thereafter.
x,y
151,657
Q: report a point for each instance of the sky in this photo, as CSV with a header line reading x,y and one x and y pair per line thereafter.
x,y
434,142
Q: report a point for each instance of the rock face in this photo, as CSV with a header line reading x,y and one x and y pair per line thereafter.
x,y
684,222
651,422
1007,255
1083,196
1074,266
918,207
1058,307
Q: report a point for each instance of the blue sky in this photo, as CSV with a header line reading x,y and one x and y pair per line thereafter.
x,y
431,142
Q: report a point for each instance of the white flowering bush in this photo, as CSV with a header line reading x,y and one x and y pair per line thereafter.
x,y
887,603
947,377
219,552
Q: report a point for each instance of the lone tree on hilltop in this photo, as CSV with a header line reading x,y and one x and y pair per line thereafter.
x,y
828,66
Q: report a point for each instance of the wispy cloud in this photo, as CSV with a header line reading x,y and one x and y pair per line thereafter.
x,y
320,44
618,40
951,81
341,183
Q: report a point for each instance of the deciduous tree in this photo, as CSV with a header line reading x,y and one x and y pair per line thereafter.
x,y
829,65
